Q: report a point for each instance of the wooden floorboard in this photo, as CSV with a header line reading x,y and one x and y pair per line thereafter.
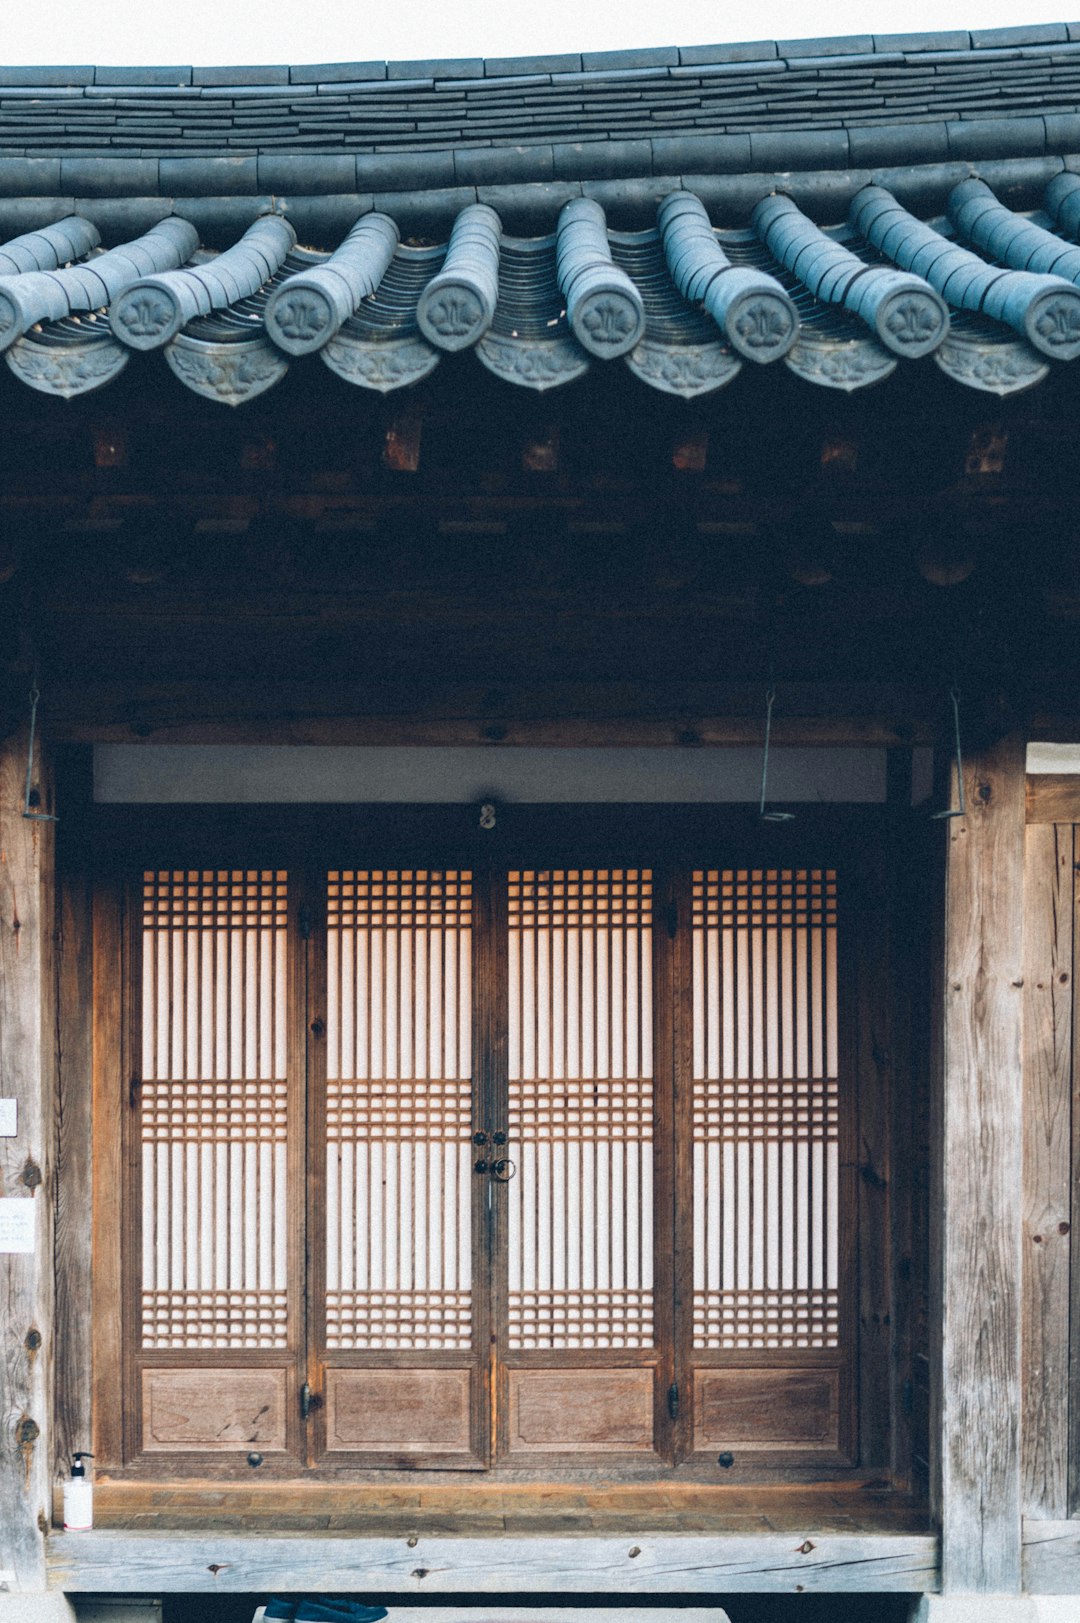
x,y
554,1563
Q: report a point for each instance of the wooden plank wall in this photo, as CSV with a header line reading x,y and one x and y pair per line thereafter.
x,y
1048,1021
27,1011
980,1173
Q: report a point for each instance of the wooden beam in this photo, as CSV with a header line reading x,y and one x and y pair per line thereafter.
x,y
1048,1008
553,732
26,1172
979,1179
428,1566
1053,797
682,714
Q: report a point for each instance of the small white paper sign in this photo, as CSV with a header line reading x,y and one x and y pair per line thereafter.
x,y
16,1224
9,1118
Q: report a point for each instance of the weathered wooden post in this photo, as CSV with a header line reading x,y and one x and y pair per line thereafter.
x,y
977,1201
26,1195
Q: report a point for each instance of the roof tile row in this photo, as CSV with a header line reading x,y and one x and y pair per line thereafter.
x,y
857,142
810,104
957,40
823,302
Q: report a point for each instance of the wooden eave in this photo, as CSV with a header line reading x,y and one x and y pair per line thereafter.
x,y
268,577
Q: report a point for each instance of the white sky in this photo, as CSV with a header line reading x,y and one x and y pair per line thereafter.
x,y
209,32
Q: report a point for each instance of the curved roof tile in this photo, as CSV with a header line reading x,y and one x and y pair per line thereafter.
x,y
904,312
153,309
749,305
304,313
1008,238
47,295
49,248
603,307
457,306
1044,309
691,297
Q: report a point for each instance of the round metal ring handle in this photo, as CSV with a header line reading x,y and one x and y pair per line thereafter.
x,y
502,1171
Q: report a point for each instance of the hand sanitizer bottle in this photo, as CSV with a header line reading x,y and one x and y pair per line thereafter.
x,y
78,1497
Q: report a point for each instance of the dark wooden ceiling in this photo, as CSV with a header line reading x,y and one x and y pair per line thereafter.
x,y
463,560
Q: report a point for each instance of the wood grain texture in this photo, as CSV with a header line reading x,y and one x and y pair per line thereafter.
x,y
27,1011
1053,797
213,1410
1052,1557
406,1411
108,1112
199,1563
74,1163
981,1154
1048,1000
577,1410
739,1409
429,1504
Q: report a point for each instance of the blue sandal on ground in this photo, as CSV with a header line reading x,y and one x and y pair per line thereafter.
x,y
316,1609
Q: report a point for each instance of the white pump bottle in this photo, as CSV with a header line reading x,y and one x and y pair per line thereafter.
x,y
78,1497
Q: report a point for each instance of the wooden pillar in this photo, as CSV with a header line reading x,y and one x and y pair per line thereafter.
x,y
26,1076
979,1214
1047,1240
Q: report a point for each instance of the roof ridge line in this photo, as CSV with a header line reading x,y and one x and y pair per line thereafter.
x,y
961,41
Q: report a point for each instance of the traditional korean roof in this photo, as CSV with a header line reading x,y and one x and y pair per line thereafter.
x,y
837,207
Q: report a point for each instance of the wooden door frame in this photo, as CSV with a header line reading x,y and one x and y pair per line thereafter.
x,y
126,837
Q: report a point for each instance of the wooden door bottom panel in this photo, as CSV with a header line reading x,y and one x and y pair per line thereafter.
x,y
402,1417
218,1411
588,1410
768,1410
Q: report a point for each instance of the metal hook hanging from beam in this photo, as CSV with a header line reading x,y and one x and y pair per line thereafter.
x,y
31,796
770,816
960,809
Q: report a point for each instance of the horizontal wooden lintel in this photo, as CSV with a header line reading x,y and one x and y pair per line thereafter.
x,y
550,732
623,714
803,1561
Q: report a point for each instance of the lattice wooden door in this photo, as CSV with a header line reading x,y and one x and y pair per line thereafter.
x,y
398,1215
487,1221
583,1268
438,1169
765,1118
214,1277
